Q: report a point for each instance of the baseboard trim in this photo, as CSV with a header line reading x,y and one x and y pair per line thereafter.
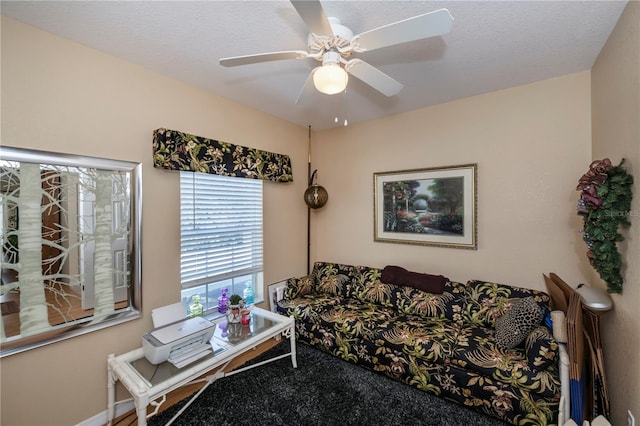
x,y
100,419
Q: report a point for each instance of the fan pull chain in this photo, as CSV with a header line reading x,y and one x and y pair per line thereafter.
x,y
344,109
346,123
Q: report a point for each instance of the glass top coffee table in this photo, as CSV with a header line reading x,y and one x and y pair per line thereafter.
x,y
149,383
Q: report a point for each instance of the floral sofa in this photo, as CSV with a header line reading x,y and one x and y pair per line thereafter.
x,y
444,342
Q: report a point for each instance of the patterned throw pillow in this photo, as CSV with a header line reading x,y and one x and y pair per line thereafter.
x,y
516,324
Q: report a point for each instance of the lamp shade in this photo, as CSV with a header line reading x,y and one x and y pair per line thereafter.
x,y
316,196
330,79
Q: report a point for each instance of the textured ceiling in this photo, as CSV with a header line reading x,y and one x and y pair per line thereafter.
x,y
493,45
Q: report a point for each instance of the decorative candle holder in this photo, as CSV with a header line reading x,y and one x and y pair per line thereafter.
x,y
245,317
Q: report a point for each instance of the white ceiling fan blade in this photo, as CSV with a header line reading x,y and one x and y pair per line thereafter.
x,y
263,57
313,15
308,89
430,24
373,77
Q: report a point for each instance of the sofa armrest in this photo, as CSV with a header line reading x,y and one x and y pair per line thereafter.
x,y
297,287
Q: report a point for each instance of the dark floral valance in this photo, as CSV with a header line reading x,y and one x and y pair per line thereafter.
x,y
176,150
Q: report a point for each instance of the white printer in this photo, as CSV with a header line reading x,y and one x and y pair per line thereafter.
x,y
180,342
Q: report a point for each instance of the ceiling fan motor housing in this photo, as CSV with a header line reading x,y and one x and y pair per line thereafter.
x,y
338,41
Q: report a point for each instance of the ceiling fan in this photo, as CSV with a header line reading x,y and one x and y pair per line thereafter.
x,y
333,44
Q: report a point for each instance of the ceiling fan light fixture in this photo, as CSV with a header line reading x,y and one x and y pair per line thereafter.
x,y
330,79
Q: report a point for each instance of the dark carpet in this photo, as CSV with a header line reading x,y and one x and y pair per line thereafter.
x,y
323,390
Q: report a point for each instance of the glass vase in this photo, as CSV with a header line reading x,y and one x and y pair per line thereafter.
x,y
223,301
196,308
247,293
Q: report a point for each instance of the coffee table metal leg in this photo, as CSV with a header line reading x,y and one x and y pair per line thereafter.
x,y
141,401
111,392
292,339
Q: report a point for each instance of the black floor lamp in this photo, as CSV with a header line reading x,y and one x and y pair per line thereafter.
x,y
315,197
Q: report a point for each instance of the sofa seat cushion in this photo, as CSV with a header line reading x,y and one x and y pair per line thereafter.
x,y
308,307
351,317
355,318
429,339
477,351
500,399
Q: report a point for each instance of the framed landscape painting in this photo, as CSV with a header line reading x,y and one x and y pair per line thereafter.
x,y
435,206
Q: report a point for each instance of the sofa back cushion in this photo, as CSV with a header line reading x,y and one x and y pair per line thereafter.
x,y
484,302
477,302
299,286
409,300
368,287
334,278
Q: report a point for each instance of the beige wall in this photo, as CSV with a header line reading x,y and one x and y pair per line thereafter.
x,y
60,96
616,134
531,144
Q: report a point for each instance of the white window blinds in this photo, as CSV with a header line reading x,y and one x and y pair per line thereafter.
x,y
220,226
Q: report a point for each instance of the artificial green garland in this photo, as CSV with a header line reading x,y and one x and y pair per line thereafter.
x,y
605,202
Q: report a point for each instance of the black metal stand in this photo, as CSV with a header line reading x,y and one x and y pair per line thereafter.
x,y
309,225
309,208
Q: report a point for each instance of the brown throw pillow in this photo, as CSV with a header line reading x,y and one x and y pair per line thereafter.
x,y
399,276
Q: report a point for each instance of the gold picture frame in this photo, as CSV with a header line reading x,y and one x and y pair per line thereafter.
x,y
434,206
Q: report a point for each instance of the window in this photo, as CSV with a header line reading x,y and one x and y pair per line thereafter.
x,y
220,236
